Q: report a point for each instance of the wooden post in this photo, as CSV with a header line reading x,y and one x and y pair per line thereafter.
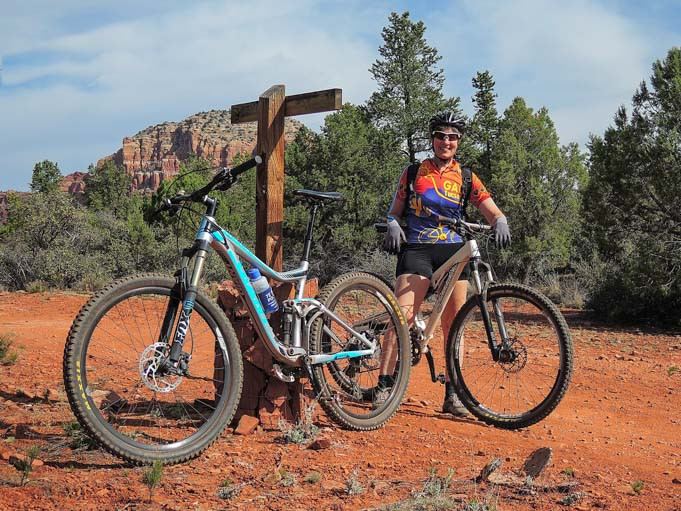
x,y
269,198
264,395
270,110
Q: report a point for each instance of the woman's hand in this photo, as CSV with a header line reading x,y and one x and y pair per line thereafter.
x,y
502,234
394,236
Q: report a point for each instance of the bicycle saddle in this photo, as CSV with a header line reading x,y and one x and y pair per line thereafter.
x,y
321,196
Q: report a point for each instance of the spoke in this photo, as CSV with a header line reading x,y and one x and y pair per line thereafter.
x,y
122,323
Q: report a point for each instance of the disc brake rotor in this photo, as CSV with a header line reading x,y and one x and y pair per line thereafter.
x,y
149,368
513,358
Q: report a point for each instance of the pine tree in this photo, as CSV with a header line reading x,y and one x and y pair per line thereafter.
x,y
484,127
409,85
46,177
632,207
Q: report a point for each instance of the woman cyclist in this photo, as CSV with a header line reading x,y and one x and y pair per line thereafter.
x,y
425,243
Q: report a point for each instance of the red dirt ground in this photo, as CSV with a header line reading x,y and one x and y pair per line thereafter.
x,y
619,423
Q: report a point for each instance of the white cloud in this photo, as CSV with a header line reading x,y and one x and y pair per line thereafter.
x,y
578,59
134,73
79,76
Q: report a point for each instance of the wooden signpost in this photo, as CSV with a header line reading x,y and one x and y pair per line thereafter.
x,y
270,111
264,397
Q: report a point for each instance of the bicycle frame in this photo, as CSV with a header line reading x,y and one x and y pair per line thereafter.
x,y
230,250
443,282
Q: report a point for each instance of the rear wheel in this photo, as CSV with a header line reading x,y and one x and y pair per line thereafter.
x,y
346,386
116,384
534,367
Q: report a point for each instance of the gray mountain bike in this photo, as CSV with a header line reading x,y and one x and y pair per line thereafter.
x,y
509,353
153,368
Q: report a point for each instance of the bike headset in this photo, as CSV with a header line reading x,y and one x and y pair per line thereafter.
x,y
445,119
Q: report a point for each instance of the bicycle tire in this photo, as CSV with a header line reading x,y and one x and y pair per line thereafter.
x,y
136,414
359,298
515,392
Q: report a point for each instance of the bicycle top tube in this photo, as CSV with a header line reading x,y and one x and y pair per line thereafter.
x,y
468,251
225,238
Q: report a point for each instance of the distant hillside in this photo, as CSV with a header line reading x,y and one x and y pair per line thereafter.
x,y
155,153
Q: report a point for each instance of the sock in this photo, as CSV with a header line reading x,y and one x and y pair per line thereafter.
x,y
449,389
385,381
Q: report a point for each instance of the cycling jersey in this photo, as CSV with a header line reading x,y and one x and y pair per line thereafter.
x,y
435,194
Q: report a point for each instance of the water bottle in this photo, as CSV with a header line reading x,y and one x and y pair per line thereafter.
x,y
263,290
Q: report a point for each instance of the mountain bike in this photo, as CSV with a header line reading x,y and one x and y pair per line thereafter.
x,y
153,368
516,362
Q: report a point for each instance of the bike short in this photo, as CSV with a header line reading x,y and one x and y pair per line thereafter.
x,y
425,258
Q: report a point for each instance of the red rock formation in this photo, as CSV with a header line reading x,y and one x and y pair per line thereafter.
x,y
73,183
155,154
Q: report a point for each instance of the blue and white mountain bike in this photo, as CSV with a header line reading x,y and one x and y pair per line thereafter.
x,y
153,368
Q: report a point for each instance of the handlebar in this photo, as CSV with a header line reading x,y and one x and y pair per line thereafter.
x,y
222,180
454,222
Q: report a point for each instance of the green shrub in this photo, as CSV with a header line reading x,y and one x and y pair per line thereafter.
x,y
79,440
152,477
313,477
637,486
352,484
25,465
303,431
7,355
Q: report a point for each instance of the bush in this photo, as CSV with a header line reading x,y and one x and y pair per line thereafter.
x,y
7,356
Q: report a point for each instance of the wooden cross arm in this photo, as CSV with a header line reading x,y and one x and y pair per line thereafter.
x,y
298,104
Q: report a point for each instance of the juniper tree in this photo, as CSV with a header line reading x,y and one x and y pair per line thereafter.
x,y
632,207
536,183
409,84
46,177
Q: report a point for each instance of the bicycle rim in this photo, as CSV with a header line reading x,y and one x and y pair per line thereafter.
x,y
136,411
347,386
532,373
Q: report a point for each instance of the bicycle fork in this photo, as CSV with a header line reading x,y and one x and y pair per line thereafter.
x,y
177,362
481,298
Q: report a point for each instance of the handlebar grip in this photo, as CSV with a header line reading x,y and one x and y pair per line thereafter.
x,y
243,167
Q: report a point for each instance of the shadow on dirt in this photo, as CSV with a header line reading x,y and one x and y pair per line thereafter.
x,y
80,465
405,410
19,398
589,321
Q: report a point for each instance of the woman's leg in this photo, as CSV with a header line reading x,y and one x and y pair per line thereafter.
x,y
410,290
452,404
455,303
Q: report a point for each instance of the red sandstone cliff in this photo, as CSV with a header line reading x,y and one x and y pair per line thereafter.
x,y
155,154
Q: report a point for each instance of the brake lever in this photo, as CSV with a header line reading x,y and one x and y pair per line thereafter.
x,y
174,209
227,182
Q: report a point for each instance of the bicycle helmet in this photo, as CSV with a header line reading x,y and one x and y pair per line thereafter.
x,y
446,118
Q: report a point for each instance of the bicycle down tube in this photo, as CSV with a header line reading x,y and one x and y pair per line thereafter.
x,y
231,250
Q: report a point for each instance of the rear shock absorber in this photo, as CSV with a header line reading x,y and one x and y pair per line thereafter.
x,y
287,312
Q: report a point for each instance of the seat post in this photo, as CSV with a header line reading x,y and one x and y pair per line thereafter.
x,y
308,235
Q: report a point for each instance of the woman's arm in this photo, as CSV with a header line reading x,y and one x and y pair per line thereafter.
x,y
490,211
399,203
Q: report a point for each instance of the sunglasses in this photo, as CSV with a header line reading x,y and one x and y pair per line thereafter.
x,y
441,135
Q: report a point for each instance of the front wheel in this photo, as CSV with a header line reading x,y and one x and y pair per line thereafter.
x,y
346,387
123,393
534,364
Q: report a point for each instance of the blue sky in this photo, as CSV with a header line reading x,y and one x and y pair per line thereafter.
x,y
77,76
